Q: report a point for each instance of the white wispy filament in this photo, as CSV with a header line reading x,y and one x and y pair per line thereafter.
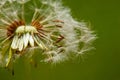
x,y
43,25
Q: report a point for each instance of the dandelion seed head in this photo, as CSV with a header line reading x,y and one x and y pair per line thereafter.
x,y
51,31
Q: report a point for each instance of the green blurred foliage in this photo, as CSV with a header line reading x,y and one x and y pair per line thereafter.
x,y
100,64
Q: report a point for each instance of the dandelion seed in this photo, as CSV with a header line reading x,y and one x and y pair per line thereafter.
x,y
51,30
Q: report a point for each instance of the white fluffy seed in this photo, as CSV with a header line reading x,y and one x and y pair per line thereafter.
x,y
25,39
20,47
14,42
31,41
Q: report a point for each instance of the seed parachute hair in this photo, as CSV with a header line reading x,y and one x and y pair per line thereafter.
x,y
44,27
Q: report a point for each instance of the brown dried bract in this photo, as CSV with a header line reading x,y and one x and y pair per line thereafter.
x,y
11,28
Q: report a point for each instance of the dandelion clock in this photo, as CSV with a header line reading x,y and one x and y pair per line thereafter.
x,y
43,25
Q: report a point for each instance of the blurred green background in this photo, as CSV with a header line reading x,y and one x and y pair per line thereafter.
x,y
100,64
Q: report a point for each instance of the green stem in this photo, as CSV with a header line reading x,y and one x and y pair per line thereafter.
x,y
9,58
